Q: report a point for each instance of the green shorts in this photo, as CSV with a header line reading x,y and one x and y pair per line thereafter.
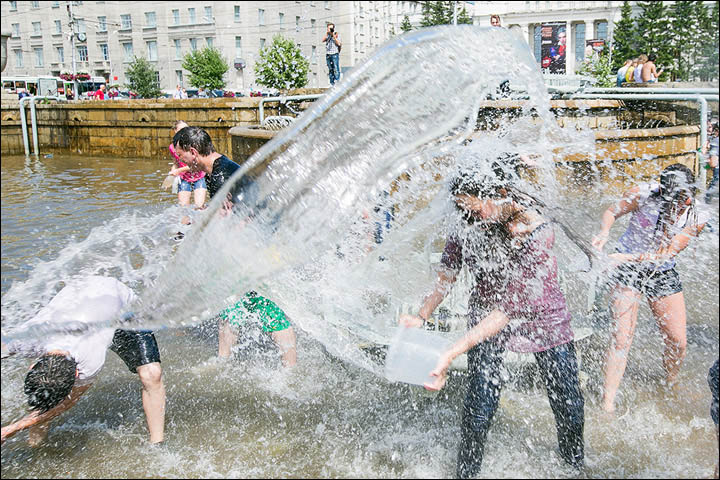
x,y
258,308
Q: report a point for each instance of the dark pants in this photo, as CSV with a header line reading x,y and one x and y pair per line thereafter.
x,y
713,187
713,382
559,369
333,64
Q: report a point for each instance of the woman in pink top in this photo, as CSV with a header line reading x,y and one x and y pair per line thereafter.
x,y
515,303
189,181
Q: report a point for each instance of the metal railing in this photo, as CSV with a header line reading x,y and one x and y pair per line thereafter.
x,y
33,120
701,99
282,100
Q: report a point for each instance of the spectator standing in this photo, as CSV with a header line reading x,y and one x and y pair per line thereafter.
x,y
178,92
333,45
100,94
202,93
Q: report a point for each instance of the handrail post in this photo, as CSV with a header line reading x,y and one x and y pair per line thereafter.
x,y
23,122
33,121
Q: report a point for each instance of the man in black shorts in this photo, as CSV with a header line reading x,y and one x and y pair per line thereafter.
x,y
70,362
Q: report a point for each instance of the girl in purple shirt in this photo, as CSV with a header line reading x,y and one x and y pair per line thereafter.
x,y
515,303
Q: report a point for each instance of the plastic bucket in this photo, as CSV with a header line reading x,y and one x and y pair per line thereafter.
x,y
413,354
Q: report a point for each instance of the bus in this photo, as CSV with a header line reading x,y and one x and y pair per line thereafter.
x,y
40,85
48,85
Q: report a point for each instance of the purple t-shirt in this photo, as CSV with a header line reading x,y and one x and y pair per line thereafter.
x,y
525,288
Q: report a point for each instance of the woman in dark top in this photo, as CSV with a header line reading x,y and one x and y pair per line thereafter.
x,y
515,303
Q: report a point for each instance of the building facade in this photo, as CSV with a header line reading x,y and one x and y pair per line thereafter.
x,y
108,35
585,20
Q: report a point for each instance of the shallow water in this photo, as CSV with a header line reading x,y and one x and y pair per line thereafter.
x,y
326,418
333,415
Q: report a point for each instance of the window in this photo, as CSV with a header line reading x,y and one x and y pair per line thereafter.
x,y
237,13
126,22
104,52
208,15
579,43
327,5
13,7
178,49
179,76
35,4
601,30
150,20
38,57
16,30
82,53
128,51
176,17
191,13
193,44
313,54
56,5
60,54
102,24
313,26
238,47
81,27
152,50
209,41
157,77
261,16
537,43
262,43
37,28
297,23
18,58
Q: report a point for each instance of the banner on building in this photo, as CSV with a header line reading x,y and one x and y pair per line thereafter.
x,y
553,40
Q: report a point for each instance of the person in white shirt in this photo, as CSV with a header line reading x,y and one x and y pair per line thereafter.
x,y
69,362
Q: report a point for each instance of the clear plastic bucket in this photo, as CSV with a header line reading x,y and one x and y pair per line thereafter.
x,y
413,354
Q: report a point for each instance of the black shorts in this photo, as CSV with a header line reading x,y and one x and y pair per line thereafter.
x,y
135,347
648,281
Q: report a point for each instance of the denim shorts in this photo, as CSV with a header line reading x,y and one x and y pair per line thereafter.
x,y
186,186
648,281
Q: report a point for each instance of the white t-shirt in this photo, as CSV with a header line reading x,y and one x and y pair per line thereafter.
x,y
85,302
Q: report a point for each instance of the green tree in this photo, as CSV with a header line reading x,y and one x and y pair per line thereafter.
x,y
441,13
207,68
599,66
705,64
142,78
624,37
653,26
282,65
684,30
406,26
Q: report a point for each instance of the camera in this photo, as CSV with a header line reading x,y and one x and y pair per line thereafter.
x,y
332,29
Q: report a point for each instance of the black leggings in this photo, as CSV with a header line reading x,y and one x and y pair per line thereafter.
x,y
559,369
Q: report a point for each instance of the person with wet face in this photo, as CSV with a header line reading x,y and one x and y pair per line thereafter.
x,y
665,217
70,361
515,303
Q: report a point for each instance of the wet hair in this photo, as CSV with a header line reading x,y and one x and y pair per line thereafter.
x,y
494,17
652,57
676,182
715,128
194,137
49,381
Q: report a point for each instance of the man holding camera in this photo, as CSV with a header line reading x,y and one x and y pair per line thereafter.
x,y
332,53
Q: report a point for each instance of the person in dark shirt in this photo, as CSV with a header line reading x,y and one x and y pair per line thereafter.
x,y
194,148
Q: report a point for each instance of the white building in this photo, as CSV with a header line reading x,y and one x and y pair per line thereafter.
x,y
585,21
110,34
